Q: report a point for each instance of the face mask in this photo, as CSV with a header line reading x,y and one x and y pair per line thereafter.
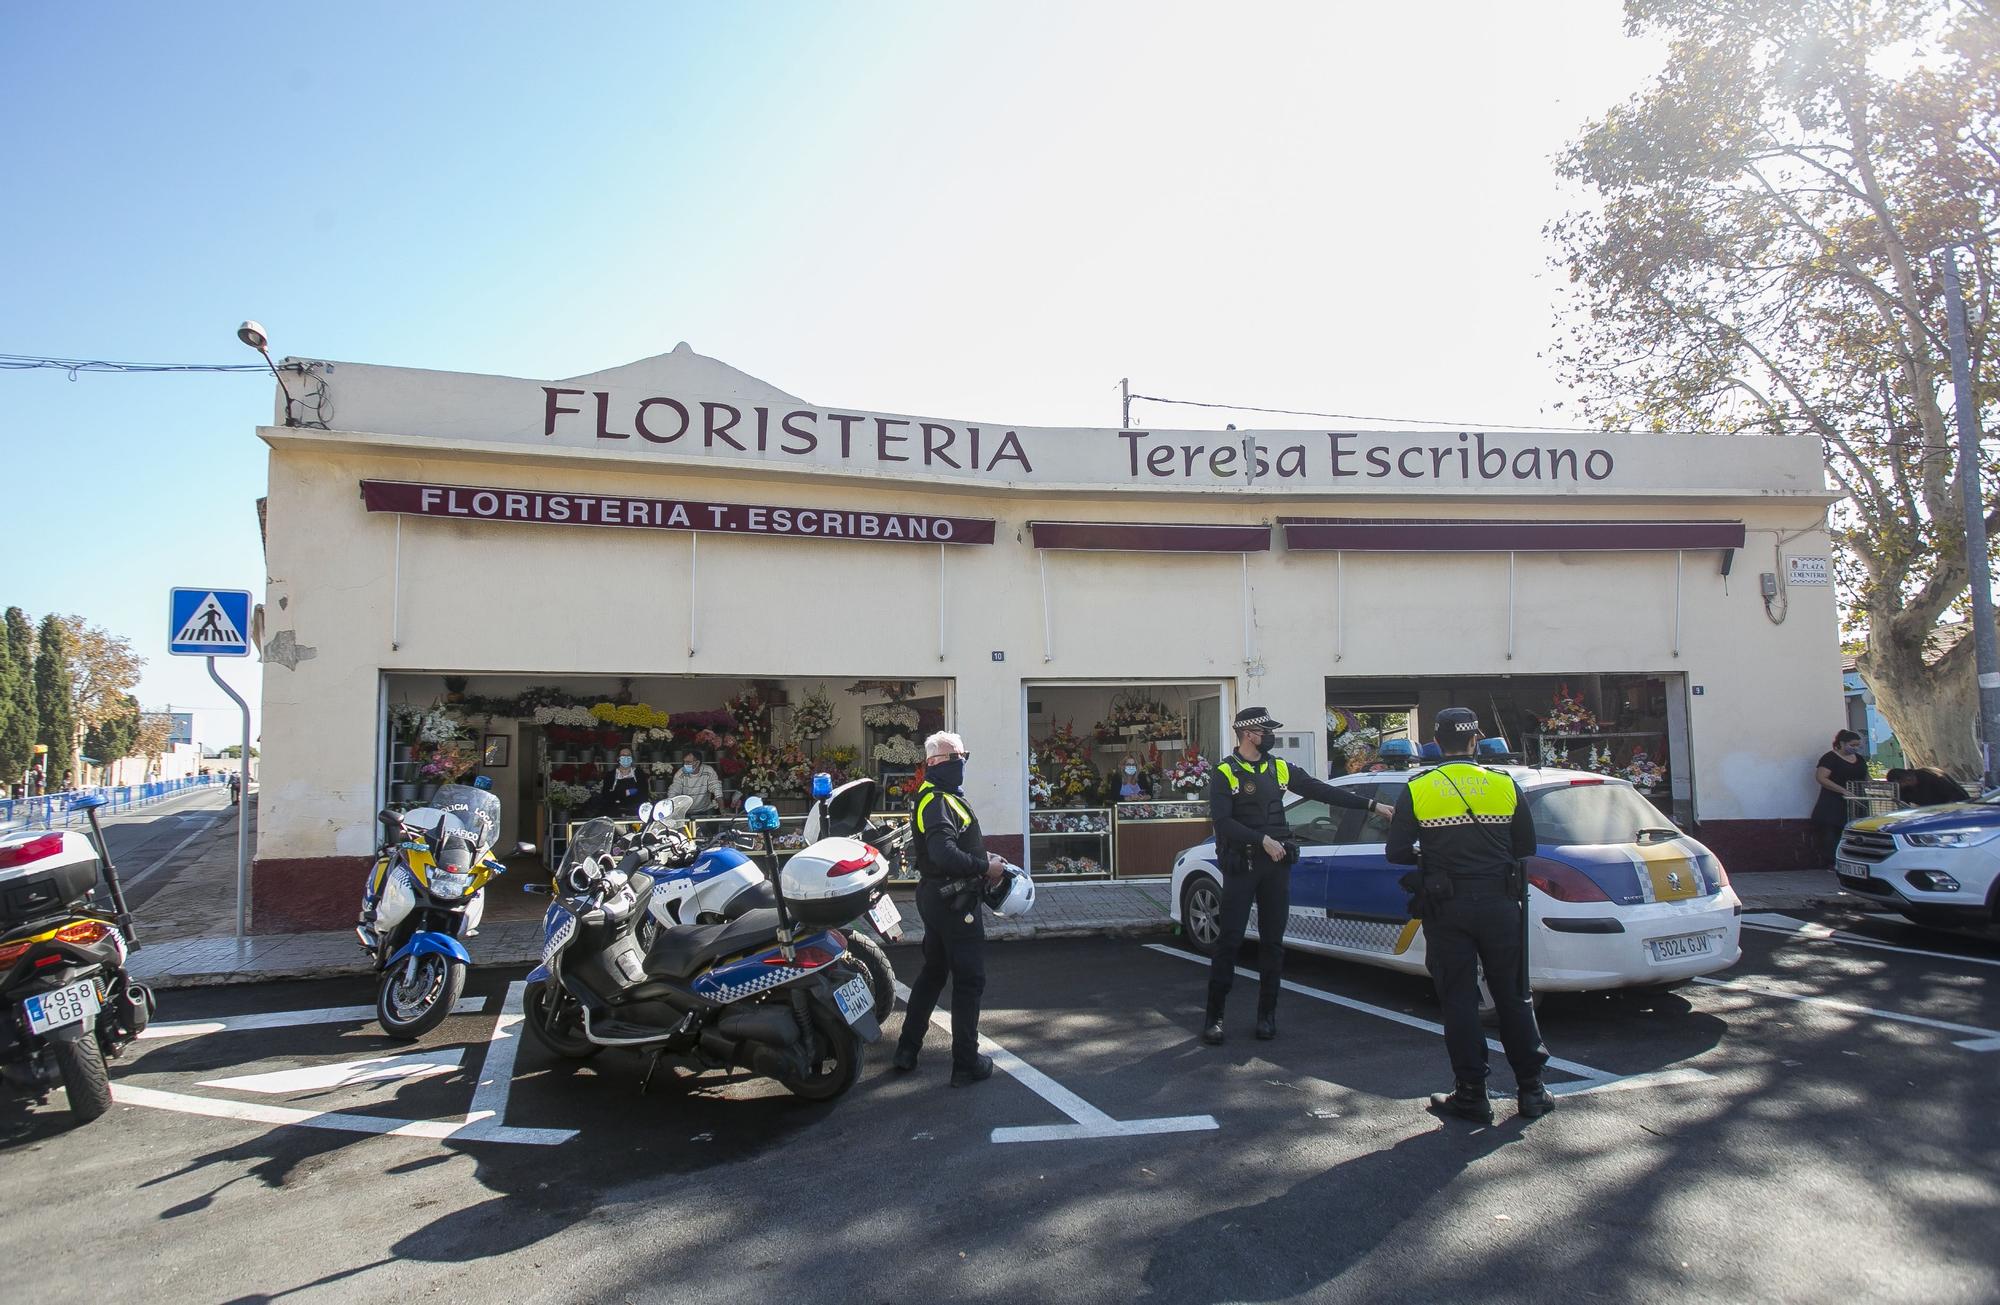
x,y
947,773
625,761
1131,770
688,767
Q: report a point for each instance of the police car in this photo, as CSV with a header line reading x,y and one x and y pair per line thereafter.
x,y
1619,897
1936,865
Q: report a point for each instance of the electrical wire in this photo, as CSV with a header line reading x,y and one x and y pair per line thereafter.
x,y
21,362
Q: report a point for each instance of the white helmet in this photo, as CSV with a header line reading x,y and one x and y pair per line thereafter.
x,y
1014,894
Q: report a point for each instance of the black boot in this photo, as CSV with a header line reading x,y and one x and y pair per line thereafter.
x,y
1466,1101
978,1072
905,1059
1534,1100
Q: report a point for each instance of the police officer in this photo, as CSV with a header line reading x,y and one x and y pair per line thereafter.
x,y
1246,803
953,865
1475,829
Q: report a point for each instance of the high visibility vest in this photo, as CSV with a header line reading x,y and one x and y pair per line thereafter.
x,y
927,795
1460,793
1234,769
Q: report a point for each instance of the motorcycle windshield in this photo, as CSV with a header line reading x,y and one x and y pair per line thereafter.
x,y
475,810
593,838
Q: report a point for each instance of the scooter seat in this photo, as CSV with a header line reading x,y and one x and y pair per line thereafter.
x,y
678,952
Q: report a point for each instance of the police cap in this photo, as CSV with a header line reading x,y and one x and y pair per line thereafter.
x,y
1456,723
1255,718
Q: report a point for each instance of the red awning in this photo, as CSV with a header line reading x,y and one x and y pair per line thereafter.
x,y
1378,535
1130,537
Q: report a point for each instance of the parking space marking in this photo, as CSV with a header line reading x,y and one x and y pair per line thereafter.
x,y
1089,1122
482,1122
1785,924
1591,1078
1983,1039
284,1019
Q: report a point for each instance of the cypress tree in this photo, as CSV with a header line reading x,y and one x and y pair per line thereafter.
x,y
55,718
17,695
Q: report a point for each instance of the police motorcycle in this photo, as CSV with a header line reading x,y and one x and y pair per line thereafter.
x,y
771,991
67,1003
718,882
428,894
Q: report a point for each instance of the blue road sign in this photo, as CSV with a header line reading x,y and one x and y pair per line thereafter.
x,y
209,623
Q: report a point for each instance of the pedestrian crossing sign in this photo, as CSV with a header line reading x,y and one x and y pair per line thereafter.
x,y
209,623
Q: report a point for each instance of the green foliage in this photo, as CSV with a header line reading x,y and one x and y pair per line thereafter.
x,y
17,694
55,717
1760,252
115,736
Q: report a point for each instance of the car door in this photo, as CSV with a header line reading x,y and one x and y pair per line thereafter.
x,y
1366,909
1316,828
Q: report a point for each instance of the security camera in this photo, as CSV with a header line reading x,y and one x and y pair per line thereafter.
x,y
252,334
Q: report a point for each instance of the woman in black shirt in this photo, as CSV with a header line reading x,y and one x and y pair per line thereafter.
x,y
1927,786
1834,771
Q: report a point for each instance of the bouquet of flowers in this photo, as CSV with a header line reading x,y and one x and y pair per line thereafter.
x,y
564,716
814,715
761,772
1645,773
1065,764
694,722
1190,774
1070,865
897,751
567,797
1569,715
631,716
750,712
1039,792
444,761
889,716
1137,711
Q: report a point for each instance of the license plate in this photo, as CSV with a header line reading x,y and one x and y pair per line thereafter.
x,y
64,1006
885,915
1682,946
1850,869
854,999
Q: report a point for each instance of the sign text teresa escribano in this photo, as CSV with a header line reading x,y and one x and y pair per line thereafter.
x,y
895,444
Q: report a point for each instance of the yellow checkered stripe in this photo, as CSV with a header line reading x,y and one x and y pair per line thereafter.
x,y
1470,819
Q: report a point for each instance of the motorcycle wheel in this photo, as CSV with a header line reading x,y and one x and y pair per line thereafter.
x,y
84,1075
840,1062
566,1039
874,962
409,1012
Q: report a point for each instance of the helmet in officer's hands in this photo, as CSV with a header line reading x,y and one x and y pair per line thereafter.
x,y
1013,895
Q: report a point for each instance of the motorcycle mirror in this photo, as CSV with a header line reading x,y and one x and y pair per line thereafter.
x,y
645,812
524,849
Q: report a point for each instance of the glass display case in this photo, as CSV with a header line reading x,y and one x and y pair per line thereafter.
x,y
1149,834
1070,842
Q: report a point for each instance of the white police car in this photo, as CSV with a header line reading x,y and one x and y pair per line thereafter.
x,y
1936,865
1618,896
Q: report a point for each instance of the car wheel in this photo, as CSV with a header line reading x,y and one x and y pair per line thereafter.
x,y
1201,913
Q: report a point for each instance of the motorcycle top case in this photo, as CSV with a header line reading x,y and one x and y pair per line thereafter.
x,y
43,874
829,883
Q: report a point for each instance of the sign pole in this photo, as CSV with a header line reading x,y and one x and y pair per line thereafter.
x,y
242,808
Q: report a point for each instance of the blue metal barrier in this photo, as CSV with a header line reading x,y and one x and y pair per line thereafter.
x,y
53,811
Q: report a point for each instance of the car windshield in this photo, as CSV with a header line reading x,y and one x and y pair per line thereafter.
x,y
1592,813
475,810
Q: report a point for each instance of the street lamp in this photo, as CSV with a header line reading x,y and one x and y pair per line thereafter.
x,y
252,334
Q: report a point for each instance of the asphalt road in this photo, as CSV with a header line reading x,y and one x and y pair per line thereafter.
x,y
150,844
1784,1150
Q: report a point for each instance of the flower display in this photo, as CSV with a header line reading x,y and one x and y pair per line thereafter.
x,y
1070,865
889,716
1569,715
631,716
897,751
1069,822
567,797
1645,773
750,712
1163,810
1064,758
1039,791
444,761
552,715
814,716
1190,774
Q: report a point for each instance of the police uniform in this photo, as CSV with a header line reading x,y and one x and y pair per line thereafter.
x,y
1475,829
1246,804
950,850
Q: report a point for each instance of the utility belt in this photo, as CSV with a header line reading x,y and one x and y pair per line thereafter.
x,y
959,894
1430,889
1238,856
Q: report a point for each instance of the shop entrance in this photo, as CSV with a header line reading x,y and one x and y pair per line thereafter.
x,y
1089,816
551,746
1632,725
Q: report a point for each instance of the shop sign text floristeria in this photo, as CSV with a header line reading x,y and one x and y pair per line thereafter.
x,y
565,508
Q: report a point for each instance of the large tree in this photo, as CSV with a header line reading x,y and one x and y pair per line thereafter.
x,y
1759,249
114,736
55,718
17,695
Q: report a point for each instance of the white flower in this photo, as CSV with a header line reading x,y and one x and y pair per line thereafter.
x,y
890,715
897,752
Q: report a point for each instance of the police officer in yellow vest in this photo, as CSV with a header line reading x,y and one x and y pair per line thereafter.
x,y
952,866
1474,829
1246,803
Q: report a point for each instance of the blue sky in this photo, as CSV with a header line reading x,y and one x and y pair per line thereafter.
x,y
977,211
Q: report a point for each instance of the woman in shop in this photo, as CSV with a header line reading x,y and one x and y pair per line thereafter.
x,y
1130,782
1833,772
623,789
697,779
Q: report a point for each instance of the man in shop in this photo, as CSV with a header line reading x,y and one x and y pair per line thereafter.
x,y
697,779
1475,829
1246,803
952,866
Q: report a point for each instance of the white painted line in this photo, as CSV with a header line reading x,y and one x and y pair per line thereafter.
x,y
259,1112
346,1073
1656,1078
128,882
485,1119
1785,924
1982,1039
1592,1076
1090,1122
284,1019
